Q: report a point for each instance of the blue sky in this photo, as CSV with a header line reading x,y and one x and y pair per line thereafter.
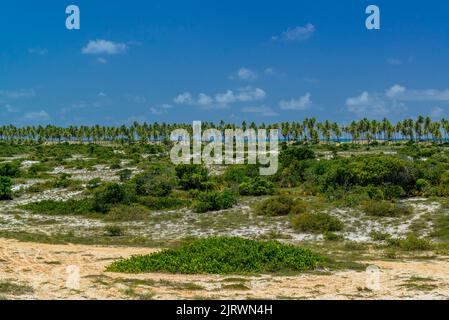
x,y
262,61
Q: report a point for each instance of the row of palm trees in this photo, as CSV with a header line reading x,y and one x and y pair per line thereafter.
x,y
309,130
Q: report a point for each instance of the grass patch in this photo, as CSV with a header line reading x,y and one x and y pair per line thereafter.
x,y
8,287
235,286
222,255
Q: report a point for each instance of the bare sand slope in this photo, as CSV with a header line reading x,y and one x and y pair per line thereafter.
x,y
52,272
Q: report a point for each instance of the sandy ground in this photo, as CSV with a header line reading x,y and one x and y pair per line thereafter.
x,y
52,271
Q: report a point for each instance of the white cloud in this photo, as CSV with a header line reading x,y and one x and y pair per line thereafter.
x,y
401,93
302,103
395,91
16,94
300,33
102,94
221,99
162,109
372,105
10,109
102,60
184,98
262,110
226,98
38,51
204,100
394,61
100,46
39,115
246,74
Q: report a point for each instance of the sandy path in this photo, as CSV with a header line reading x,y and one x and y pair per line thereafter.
x,y
47,269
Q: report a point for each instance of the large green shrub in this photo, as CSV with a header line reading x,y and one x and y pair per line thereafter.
x,y
256,187
155,184
192,177
107,196
224,256
214,201
5,188
317,223
280,206
9,169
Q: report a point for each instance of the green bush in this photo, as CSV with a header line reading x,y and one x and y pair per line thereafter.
x,y
158,203
214,201
156,184
256,187
125,175
317,223
51,207
224,256
293,154
275,206
411,243
5,188
240,173
385,209
114,231
94,183
10,169
192,177
110,194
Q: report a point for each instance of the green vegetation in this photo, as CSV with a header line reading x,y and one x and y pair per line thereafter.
x,y
256,187
280,206
9,287
385,209
5,188
214,201
224,256
317,223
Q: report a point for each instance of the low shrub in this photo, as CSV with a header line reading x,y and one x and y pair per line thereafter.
x,y
108,195
275,206
256,187
125,175
114,231
94,184
10,169
155,183
157,203
192,177
317,223
214,201
5,188
385,209
221,255
52,207
411,243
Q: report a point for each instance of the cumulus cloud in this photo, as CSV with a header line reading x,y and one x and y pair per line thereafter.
x,y
262,111
106,47
246,74
373,105
162,109
247,94
301,103
297,34
184,98
36,116
401,93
